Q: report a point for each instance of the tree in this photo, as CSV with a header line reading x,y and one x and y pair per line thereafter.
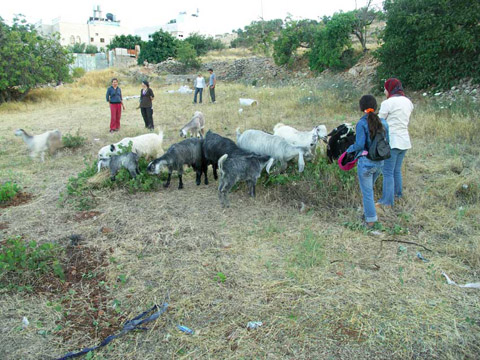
x,y
331,41
297,34
77,48
202,44
259,35
27,60
91,49
430,42
187,55
159,48
364,17
125,41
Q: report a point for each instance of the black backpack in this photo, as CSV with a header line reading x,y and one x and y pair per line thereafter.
x,y
379,148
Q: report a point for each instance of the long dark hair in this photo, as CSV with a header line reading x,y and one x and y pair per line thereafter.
x,y
368,104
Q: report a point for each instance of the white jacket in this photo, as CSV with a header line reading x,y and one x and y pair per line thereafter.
x,y
396,111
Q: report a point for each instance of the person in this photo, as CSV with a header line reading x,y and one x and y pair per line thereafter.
x,y
212,82
396,111
114,97
146,98
368,170
199,85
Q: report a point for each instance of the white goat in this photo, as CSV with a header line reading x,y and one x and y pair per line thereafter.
x,y
301,138
147,145
261,143
194,126
38,144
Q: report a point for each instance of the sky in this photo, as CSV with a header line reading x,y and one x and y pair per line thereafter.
x,y
217,16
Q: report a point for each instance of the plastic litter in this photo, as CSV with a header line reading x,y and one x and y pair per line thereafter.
x,y
240,110
184,90
468,285
419,255
131,97
25,322
254,325
185,329
248,102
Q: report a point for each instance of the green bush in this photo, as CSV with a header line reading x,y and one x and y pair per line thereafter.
x,y
78,72
160,46
22,263
8,191
430,42
187,55
73,141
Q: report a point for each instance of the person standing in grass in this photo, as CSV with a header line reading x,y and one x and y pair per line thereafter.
x,y
146,106
212,82
114,97
368,170
199,85
396,111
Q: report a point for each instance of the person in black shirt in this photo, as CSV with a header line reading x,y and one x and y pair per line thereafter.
x,y
146,97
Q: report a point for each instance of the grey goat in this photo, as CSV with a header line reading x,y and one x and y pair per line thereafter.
x,y
128,161
240,168
194,126
186,152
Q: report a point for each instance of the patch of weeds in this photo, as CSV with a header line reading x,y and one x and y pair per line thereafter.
x,y
310,252
309,100
220,277
397,230
78,191
73,141
23,263
123,278
8,191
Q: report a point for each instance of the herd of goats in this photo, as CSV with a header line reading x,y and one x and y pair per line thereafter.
x,y
241,161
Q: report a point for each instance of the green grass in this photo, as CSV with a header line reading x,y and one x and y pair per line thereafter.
x,y
8,190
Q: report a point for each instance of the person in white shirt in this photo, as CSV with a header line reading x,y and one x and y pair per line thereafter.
x,y
396,111
199,84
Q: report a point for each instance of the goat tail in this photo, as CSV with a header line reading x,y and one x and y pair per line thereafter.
x,y
160,135
238,133
269,164
278,126
221,161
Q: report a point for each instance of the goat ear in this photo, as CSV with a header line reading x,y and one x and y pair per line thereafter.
x,y
112,148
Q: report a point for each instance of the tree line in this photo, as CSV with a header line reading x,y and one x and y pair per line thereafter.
x,y
426,43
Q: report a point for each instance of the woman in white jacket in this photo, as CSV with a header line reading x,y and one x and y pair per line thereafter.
x,y
396,111
199,84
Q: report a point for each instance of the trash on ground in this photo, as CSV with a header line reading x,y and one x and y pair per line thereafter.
x,y
254,325
248,102
185,329
131,97
240,110
25,322
468,285
419,255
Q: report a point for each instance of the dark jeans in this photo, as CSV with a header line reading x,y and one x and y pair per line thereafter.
x,y
198,91
147,114
212,94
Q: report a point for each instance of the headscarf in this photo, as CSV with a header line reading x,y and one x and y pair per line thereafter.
x,y
146,83
394,87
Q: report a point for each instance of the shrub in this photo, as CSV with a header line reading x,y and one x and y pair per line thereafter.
x,y
430,42
8,191
78,72
187,55
160,46
73,141
22,263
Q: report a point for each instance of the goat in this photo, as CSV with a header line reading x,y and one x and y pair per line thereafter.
x,y
340,139
128,161
301,138
38,144
147,145
215,146
240,168
187,152
194,126
261,143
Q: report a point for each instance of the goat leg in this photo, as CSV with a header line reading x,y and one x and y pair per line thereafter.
x,y
198,179
215,168
180,182
167,183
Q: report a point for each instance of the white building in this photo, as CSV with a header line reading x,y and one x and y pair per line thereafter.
x,y
98,30
181,27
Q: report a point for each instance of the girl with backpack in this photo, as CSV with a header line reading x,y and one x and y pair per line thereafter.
x,y
396,111
370,130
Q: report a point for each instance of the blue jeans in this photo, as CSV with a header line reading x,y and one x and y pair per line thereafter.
x,y
368,172
392,177
197,90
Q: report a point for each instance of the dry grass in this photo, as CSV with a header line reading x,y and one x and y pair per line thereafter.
x,y
323,287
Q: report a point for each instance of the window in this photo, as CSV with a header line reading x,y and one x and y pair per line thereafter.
x,y
72,39
92,40
102,40
96,34
79,40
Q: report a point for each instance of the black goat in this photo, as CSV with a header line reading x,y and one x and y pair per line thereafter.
x,y
339,140
187,152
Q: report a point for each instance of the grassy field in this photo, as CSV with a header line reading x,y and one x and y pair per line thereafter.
x,y
294,258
